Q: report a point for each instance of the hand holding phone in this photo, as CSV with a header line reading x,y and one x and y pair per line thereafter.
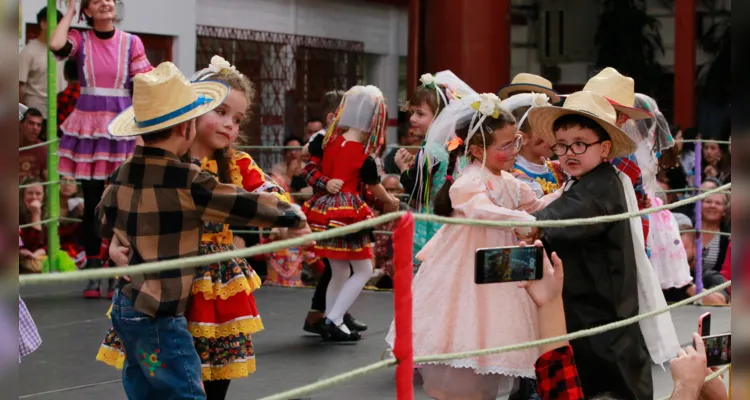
x,y
508,264
689,368
550,287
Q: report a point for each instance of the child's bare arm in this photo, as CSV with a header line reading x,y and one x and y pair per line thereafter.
x,y
381,194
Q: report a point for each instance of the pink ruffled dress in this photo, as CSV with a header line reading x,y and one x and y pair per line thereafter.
x,y
453,314
105,68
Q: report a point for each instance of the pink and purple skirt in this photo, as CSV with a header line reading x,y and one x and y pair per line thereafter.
x,y
87,151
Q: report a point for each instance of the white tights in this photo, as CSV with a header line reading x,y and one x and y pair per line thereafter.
x,y
343,289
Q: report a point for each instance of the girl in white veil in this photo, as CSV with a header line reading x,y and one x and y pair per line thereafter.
x,y
665,248
423,175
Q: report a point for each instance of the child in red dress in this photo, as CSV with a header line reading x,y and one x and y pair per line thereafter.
x,y
356,133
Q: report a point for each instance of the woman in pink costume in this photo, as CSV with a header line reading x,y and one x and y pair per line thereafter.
x,y
107,59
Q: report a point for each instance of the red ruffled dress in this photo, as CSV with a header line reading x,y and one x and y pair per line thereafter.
x,y
347,161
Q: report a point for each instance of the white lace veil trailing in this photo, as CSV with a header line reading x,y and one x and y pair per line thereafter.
x,y
449,88
652,136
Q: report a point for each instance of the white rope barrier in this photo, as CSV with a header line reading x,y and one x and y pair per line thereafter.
x,y
196,261
325,383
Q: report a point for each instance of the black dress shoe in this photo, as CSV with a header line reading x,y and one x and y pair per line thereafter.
x,y
337,335
353,324
318,327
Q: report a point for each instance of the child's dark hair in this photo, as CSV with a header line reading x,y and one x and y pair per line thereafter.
x,y
32,112
579,121
157,136
518,113
330,103
70,70
484,137
428,95
41,16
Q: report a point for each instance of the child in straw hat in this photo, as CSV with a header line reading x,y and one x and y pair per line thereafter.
x,y
157,205
619,91
608,276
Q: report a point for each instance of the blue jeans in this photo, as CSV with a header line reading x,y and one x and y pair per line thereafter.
x,y
160,358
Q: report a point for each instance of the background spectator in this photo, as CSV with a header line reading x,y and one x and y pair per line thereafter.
x,y
313,126
66,100
32,163
32,68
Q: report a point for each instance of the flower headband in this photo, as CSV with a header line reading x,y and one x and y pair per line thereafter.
x,y
218,65
488,105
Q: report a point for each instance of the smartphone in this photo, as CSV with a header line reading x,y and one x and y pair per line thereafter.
x,y
718,349
704,324
508,264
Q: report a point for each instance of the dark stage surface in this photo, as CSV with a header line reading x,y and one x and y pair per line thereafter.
x,y
64,368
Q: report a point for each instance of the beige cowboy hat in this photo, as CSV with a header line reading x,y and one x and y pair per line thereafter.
x,y
619,90
587,104
164,97
525,82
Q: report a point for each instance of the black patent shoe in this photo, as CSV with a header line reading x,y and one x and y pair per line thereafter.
x,y
335,333
353,324
318,327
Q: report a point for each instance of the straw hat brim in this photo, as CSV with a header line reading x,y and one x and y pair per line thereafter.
x,y
632,112
542,120
124,124
505,91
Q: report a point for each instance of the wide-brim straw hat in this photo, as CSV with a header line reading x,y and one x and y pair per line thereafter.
x,y
587,104
164,97
619,90
525,82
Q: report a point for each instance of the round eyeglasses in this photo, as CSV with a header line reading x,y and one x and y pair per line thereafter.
x,y
515,145
577,148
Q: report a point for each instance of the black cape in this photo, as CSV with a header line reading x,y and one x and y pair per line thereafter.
x,y
600,285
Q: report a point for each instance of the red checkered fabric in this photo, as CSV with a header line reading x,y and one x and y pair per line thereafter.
x,y
557,375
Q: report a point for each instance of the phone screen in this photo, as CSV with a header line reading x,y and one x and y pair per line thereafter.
x,y
508,264
718,349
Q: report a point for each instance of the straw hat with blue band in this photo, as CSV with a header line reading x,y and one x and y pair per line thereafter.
x,y
529,83
163,98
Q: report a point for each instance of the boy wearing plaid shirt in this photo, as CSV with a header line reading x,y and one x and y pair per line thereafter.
x,y
156,205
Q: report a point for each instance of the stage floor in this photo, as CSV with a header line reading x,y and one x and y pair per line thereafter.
x,y
64,368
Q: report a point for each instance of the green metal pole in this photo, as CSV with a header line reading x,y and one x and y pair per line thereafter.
x,y
53,191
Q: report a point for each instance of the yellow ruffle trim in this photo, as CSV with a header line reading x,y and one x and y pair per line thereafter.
x,y
231,371
247,326
211,290
111,357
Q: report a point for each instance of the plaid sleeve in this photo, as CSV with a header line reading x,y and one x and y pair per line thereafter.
x,y
219,202
106,213
314,176
557,375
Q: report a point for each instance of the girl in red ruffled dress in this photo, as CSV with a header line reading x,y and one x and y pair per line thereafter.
x,y
346,152
222,314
